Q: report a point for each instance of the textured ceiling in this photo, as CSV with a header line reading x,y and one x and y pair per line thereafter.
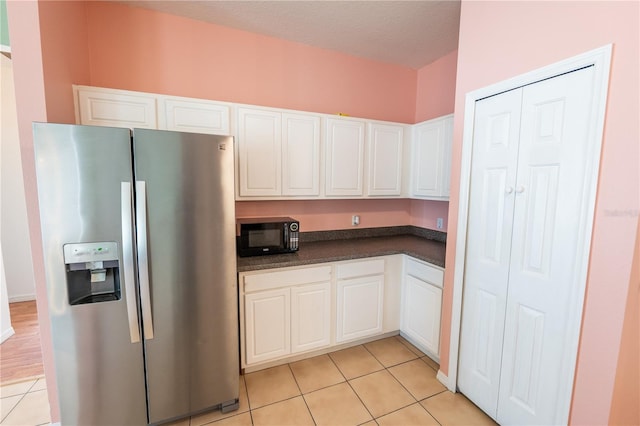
x,y
408,33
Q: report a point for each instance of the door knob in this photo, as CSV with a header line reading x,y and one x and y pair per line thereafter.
x,y
520,189
509,189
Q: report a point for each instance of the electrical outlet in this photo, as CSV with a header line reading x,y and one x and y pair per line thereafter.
x,y
439,223
355,220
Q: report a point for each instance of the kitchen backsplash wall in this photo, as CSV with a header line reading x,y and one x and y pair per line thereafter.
x,y
327,215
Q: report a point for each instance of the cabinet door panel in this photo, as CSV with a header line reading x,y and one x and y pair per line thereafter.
x,y
300,154
259,152
421,313
359,307
428,153
431,156
345,158
267,325
385,159
310,321
195,116
106,108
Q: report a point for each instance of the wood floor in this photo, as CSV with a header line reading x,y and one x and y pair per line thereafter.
x,y
20,354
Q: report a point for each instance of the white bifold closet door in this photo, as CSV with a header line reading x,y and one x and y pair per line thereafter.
x,y
526,195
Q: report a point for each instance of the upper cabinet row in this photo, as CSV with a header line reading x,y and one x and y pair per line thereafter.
x,y
284,154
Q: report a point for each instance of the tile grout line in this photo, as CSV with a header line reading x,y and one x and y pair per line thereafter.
x,y
301,394
14,407
430,396
385,368
347,381
418,357
22,395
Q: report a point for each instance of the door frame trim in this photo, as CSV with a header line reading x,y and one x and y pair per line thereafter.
x,y
600,58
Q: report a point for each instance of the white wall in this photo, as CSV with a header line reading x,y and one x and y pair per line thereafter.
x,y
6,330
18,267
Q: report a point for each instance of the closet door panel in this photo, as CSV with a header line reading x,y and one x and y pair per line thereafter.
x,y
491,202
549,201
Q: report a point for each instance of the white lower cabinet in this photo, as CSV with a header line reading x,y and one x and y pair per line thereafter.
x,y
421,305
267,328
360,295
359,307
287,313
310,317
284,312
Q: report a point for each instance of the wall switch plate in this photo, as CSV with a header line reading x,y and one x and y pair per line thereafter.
x,y
439,223
355,220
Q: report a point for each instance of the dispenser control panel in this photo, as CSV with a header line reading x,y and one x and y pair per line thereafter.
x,y
90,252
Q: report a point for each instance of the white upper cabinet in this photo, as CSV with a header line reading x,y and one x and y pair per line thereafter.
x,y
384,149
259,152
278,153
344,166
192,115
300,155
115,108
431,156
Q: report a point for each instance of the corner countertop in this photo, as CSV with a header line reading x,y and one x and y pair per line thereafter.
x,y
321,247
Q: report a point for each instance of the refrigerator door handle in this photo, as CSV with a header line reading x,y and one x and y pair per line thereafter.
x,y
143,260
127,260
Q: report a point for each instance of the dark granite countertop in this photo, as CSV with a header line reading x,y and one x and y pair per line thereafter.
x,y
319,247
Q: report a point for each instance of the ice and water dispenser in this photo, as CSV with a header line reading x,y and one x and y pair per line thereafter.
x,y
92,272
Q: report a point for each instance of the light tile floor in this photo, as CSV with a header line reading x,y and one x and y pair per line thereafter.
x,y
386,382
24,403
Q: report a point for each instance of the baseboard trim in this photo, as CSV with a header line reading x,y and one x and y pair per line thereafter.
x,y
22,298
6,334
445,380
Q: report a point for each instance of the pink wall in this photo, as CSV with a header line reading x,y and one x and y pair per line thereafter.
x,y
325,215
49,53
138,49
499,40
331,214
425,213
65,55
436,88
625,404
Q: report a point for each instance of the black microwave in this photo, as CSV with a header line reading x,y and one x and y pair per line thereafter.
x,y
267,235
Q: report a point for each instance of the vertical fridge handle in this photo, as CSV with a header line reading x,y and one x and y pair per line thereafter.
x,y
127,260
143,258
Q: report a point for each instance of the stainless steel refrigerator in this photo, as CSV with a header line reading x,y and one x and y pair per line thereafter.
x,y
138,231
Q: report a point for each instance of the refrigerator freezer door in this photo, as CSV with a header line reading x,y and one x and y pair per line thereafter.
x,y
192,360
100,372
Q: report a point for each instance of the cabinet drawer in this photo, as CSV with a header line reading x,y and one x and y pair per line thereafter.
x,y
424,272
360,269
276,279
